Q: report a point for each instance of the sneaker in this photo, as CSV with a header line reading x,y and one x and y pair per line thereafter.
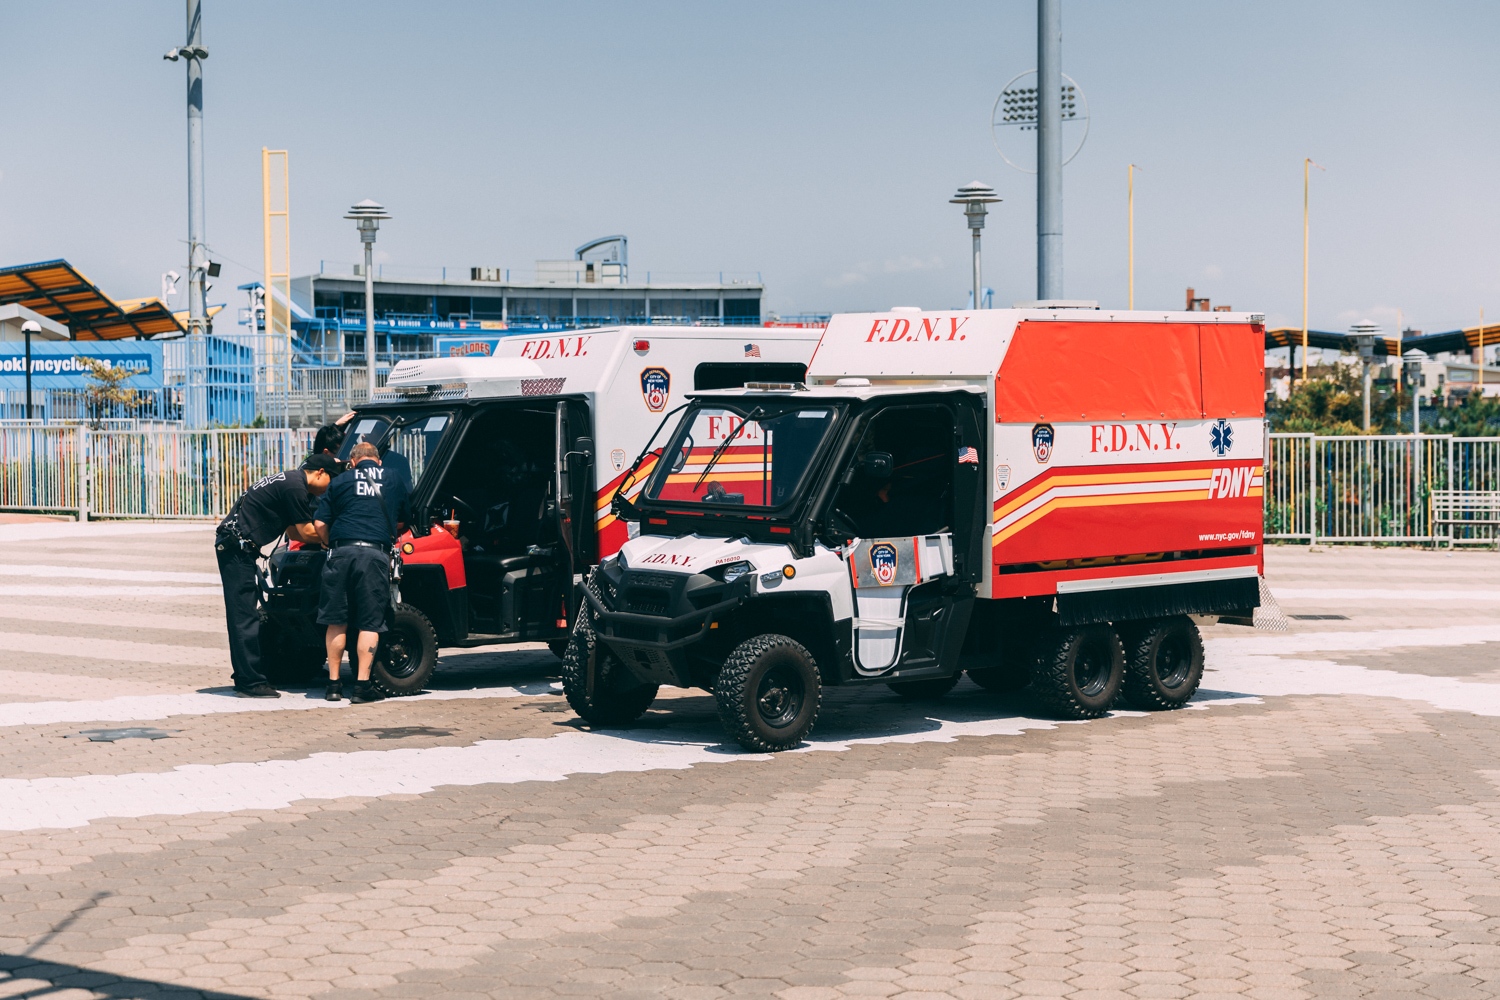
x,y
257,691
364,692
334,691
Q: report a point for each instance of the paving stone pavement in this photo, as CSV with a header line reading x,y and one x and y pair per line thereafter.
x,y
1321,822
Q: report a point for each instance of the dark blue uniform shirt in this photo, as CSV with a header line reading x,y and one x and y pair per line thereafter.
x,y
358,506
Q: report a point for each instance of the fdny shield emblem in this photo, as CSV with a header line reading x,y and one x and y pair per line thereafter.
x,y
883,563
1042,438
656,386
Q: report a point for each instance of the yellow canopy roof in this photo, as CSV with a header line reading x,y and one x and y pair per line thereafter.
x,y
60,292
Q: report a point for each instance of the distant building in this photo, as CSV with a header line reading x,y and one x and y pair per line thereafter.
x,y
413,307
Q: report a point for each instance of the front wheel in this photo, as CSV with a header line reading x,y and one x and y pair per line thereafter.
x,y
768,693
407,655
611,696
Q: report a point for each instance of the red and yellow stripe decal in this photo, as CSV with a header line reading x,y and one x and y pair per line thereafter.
x,y
1062,489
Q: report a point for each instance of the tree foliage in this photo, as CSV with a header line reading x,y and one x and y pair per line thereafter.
x,y
106,389
1333,403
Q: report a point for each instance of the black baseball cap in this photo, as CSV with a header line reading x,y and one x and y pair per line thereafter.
x,y
323,463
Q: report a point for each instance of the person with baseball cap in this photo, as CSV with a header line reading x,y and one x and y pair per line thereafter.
x,y
278,504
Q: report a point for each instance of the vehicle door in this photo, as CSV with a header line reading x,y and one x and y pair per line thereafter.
x,y
911,500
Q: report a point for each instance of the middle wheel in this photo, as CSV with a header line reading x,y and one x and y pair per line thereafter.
x,y
768,693
1078,672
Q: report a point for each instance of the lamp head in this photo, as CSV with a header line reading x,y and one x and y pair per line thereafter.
x,y
31,326
974,196
367,215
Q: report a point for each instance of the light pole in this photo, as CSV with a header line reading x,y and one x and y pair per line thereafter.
x,y
1364,338
1049,151
1413,360
1130,206
28,328
195,53
973,196
1306,176
367,215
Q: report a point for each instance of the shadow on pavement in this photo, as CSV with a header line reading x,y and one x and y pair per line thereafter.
x,y
23,977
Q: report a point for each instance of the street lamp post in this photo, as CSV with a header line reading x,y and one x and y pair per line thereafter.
x,y
367,215
28,328
198,263
1413,359
974,196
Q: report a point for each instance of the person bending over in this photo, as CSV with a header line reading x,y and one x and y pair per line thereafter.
x,y
355,522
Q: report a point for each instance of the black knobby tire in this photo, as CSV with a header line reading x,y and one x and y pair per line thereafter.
x,y
285,661
1078,672
927,689
407,655
769,693
1163,663
617,698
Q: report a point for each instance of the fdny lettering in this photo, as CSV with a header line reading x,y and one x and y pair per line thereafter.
x,y
666,559
556,347
1225,483
721,427
1140,437
931,328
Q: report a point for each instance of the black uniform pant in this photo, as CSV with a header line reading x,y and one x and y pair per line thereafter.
x,y
237,571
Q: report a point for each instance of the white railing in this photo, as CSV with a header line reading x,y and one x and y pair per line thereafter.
x,y
158,473
1374,488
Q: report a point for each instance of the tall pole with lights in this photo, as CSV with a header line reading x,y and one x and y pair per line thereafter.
x,y
194,52
367,215
974,196
1049,151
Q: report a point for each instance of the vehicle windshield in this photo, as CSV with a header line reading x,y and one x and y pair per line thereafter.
x,y
414,436
741,453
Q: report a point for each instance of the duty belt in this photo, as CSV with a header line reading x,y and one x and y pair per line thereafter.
x,y
340,543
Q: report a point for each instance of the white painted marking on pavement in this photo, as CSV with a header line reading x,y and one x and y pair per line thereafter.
x,y
95,573
144,593
1385,596
1249,667
94,618
43,530
145,708
113,649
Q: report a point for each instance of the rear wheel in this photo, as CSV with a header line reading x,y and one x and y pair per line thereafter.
x,y
1163,663
923,690
285,660
407,655
614,698
768,693
1079,671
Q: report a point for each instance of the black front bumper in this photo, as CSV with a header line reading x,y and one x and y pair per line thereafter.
x,y
655,648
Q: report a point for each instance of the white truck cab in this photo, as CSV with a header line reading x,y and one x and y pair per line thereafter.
x,y
1034,496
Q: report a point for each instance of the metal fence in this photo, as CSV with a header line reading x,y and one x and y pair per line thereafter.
x,y
1375,488
153,473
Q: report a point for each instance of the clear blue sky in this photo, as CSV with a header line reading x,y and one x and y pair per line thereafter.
x,y
816,143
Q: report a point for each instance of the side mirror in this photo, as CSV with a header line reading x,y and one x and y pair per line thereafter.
x,y
582,447
877,465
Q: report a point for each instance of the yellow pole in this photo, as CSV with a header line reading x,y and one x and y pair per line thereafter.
x,y
1306,163
1130,187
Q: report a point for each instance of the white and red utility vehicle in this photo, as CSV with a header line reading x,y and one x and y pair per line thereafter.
x,y
514,459
1037,496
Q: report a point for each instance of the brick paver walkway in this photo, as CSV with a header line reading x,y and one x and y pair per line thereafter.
x,y
1324,821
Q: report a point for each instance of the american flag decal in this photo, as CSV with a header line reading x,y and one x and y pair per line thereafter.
x,y
752,350
968,456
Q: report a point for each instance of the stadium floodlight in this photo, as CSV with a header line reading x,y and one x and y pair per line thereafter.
x,y
974,196
367,215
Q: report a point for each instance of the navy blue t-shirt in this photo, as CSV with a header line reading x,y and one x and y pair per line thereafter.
x,y
357,506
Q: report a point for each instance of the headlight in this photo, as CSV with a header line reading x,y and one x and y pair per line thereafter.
x,y
735,570
620,561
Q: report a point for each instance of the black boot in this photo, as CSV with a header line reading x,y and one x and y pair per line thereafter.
x,y
364,692
334,691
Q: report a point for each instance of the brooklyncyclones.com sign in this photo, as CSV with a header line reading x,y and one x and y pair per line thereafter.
x,y
57,365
